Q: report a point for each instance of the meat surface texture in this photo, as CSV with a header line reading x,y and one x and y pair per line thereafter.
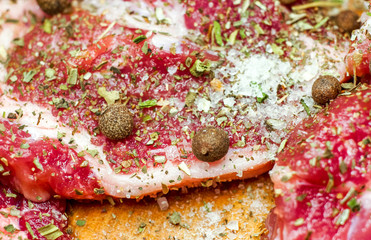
x,y
60,102
358,59
178,66
23,219
335,147
174,74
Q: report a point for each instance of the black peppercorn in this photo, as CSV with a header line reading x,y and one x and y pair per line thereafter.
x,y
325,88
347,21
210,144
53,7
116,122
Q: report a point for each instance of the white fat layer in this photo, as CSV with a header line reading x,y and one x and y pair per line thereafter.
x,y
142,14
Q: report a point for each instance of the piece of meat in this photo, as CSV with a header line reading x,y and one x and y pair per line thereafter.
x,y
60,107
359,56
23,219
64,72
76,120
43,167
322,177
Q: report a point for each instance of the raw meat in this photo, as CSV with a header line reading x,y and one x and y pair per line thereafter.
x,y
72,104
322,177
68,68
358,59
23,219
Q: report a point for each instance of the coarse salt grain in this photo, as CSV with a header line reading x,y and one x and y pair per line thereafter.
x,y
163,203
232,225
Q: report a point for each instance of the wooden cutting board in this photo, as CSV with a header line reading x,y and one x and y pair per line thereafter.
x,y
235,210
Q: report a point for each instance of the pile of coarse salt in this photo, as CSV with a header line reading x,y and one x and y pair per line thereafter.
x,y
250,77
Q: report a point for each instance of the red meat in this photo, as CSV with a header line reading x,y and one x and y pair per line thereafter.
x,y
57,88
21,218
322,177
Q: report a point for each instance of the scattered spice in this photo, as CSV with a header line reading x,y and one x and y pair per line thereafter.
x,y
28,226
354,205
218,33
109,96
80,222
343,217
50,232
148,103
10,228
139,39
27,76
141,227
199,68
175,218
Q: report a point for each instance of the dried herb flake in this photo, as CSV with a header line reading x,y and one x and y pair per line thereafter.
x,y
50,232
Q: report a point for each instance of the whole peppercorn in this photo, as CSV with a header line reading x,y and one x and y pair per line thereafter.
x,y
210,144
53,7
116,122
287,2
325,88
347,21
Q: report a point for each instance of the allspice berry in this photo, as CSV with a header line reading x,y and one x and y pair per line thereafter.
x,y
325,88
53,7
210,144
347,21
116,122
287,2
